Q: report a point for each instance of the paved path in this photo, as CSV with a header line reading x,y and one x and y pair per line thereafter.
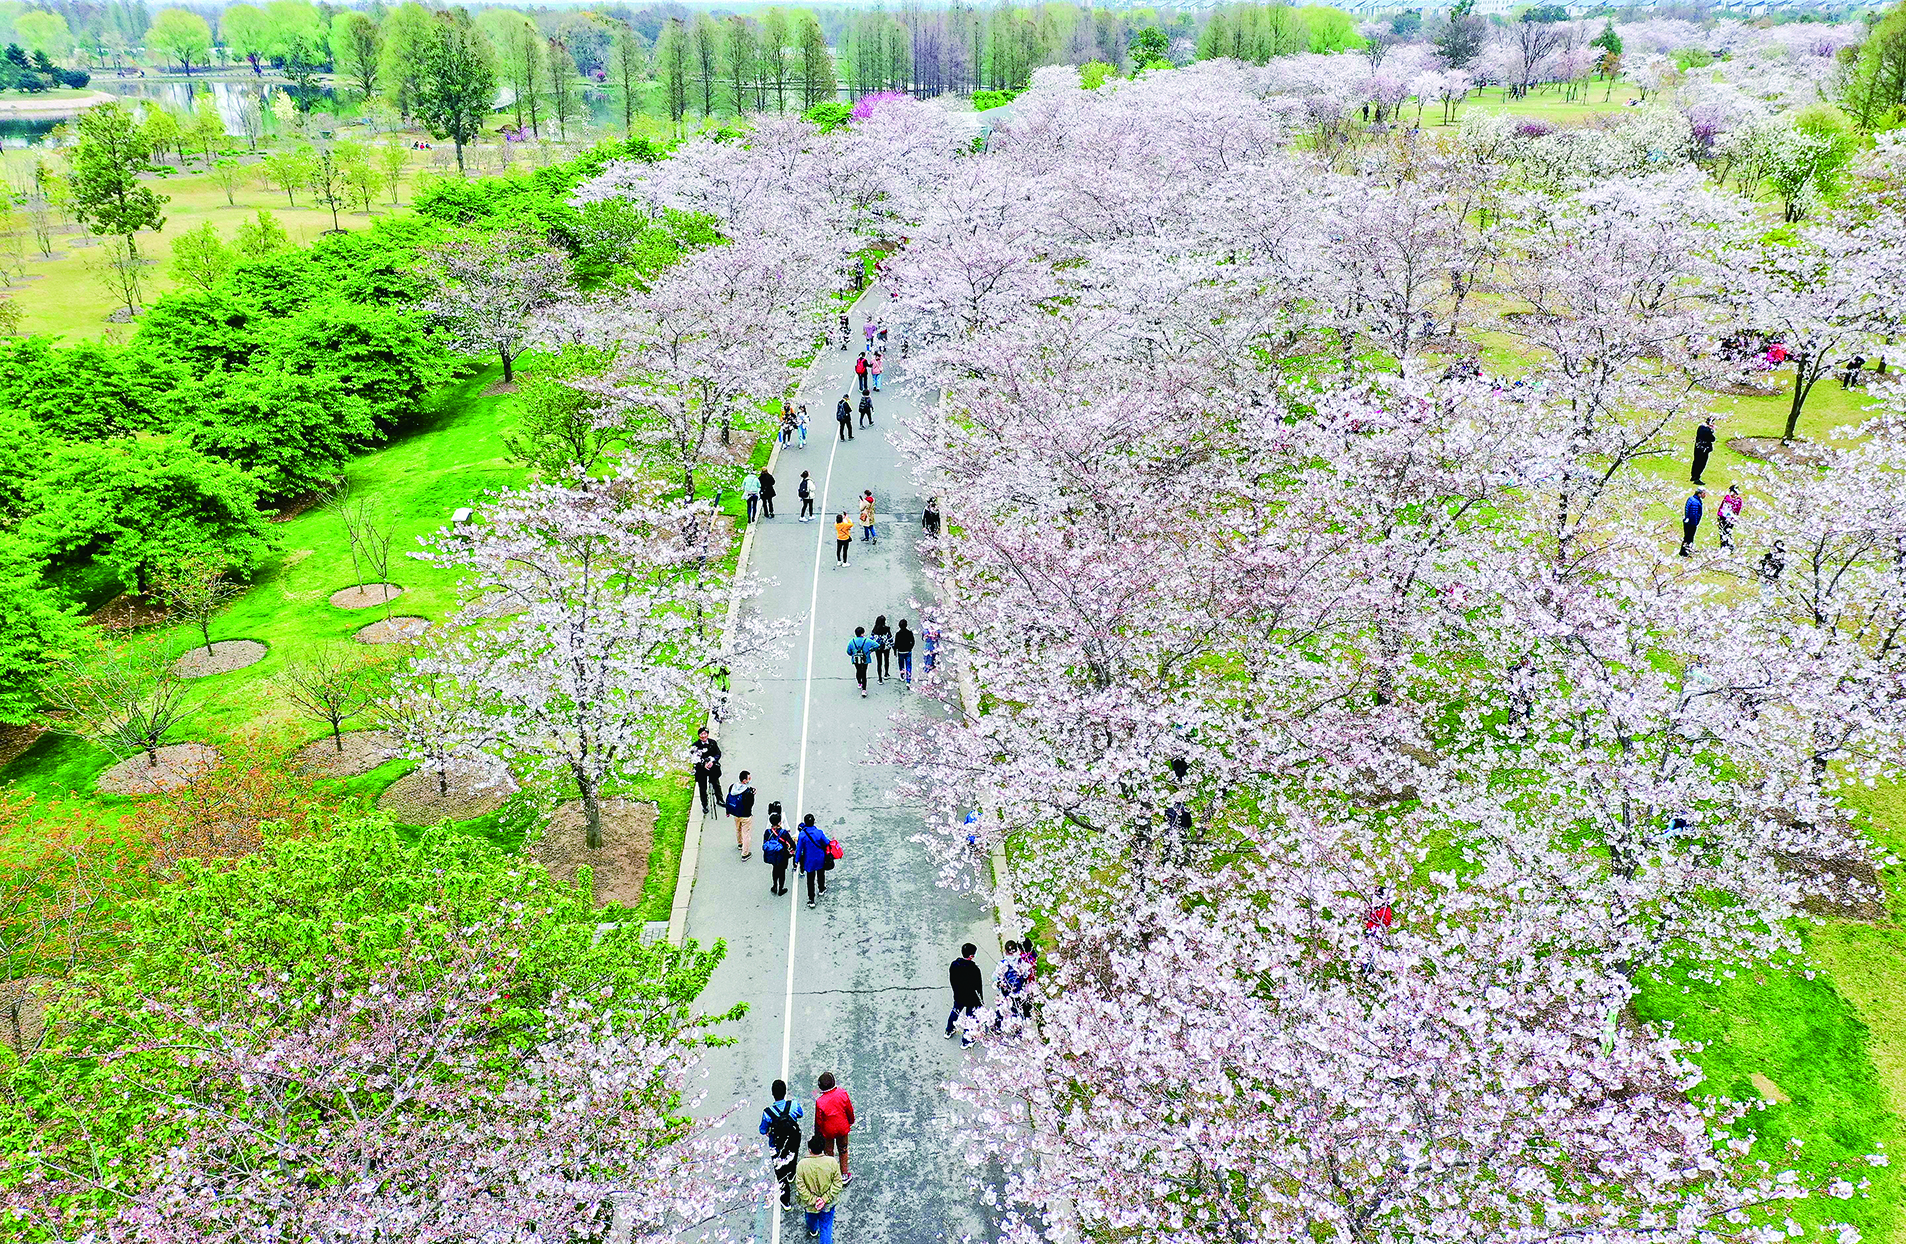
x,y
856,986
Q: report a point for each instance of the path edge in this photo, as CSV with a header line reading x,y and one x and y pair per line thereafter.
x,y
692,832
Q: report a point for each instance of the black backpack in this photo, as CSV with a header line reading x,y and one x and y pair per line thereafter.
x,y
784,1130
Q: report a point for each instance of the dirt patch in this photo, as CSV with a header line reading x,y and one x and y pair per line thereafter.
x,y
23,1013
500,389
49,258
363,751
417,798
222,658
16,741
403,629
366,597
493,605
1769,449
294,506
126,612
179,765
620,865
1845,889
1746,389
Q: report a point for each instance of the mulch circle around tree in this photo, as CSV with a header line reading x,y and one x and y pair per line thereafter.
x,y
17,741
225,656
179,764
49,258
620,864
402,629
1750,390
126,612
363,751
1769,449
500,389
418,798
366,597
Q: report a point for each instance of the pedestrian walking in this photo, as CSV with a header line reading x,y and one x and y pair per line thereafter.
x,y
860,650
866,411
903,652
706,754
814,853
805,491
800,426
843,536
1772,563
767,493
833,1120
787,423
867,328
752,487
882,635
777,848
845,417
1703,446
1006,985
867,530
1691,521
929,643
860,371
930,520
781,1124
1726,512
969,990
846,331
875,366
740,805
880,339
819,1183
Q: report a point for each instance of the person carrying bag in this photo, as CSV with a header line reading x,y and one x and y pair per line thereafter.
x,y
777,848
816,853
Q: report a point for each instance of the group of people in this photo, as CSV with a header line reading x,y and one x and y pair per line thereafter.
x,y
883,644
817,1179
844,414
844,526
1726,513
807,846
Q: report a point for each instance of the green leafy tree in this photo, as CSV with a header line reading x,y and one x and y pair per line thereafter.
x,y
138,506
226,174
36,631
184,34
740,60
380,356
1149,49
560,433
195,590
459,82
290,171
161,130
704,44
672,67
630,64
261,235
248,34
44,32
200,258
519,51
327,183
207,130
1874,74
1094,74
88,391
291,433
409,35
392,162
1607,40
1461,37
357,50
108,197
818,83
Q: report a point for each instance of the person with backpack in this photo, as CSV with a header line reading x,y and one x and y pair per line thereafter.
x,y
860,650
866,411
833,1120
868,532
814,852
819,1183
860,372
969,990
740,805
903,649
781,1124
882,635
1691,521
706,753
844,416
930,520
777,847
805,491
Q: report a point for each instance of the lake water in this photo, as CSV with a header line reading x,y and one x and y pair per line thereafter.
x,y
228,95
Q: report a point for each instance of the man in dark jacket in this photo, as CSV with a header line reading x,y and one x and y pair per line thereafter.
x,y
969,989
866,411
706,753
1703,446
767,494
844,416
1691,521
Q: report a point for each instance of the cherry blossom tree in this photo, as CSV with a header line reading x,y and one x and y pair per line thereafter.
x,y
488,288
613,654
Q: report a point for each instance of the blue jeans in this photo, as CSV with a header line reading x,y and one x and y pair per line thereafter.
x,y
822,1222
876,382
906,665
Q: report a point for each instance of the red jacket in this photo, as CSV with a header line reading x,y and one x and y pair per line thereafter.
x,y
833,1113
860,367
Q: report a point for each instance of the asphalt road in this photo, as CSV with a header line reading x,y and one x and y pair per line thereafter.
x,y
856,986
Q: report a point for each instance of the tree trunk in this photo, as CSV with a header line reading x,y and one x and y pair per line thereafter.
x,y
1799,397
506,363
443,782
337,735
152,756
591,814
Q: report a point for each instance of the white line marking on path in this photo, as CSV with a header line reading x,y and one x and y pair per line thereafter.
x,y
800,793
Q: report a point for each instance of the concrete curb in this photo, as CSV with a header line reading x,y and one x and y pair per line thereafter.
x,y
692,833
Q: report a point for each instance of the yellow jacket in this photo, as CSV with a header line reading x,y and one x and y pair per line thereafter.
x,y
817,1182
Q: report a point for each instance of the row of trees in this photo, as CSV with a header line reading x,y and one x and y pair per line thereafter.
x,y
1353,726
